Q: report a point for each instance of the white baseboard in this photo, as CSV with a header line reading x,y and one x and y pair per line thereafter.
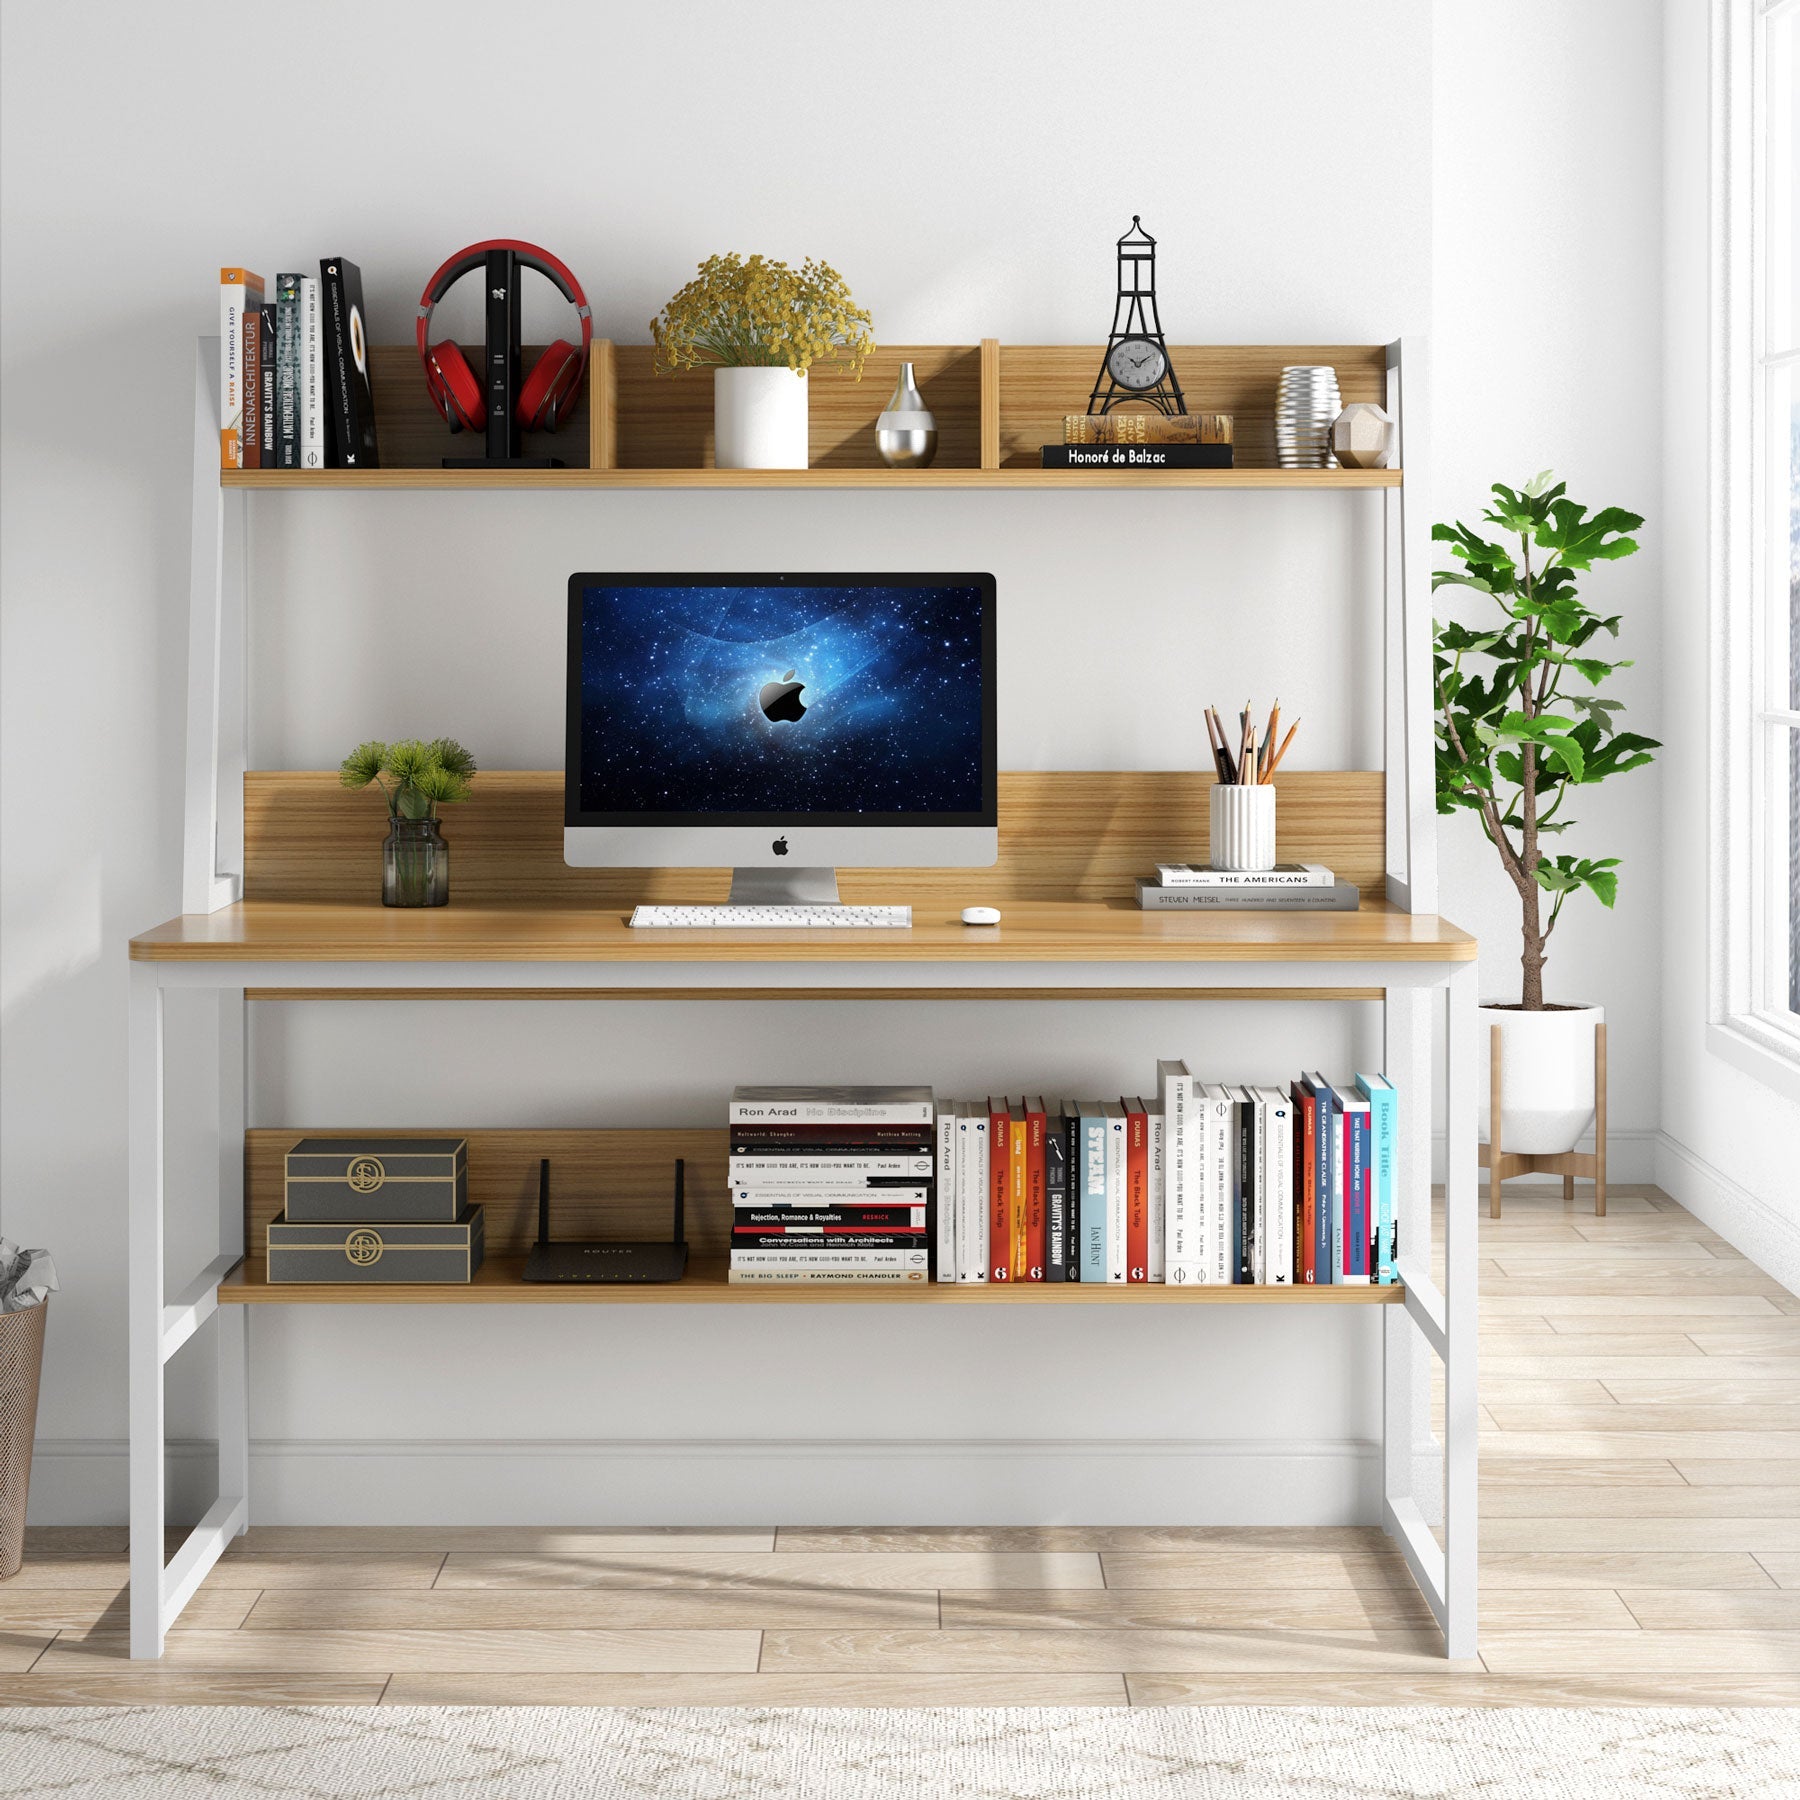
x,y
1770,1238
741,1481
1631,1157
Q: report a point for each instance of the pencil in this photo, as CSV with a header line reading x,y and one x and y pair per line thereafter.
x,y
1249,767
1227,768
1217,743
1243,741
1270,738
1275,760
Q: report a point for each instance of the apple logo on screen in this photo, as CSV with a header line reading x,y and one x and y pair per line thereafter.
x,y
779,846
780,700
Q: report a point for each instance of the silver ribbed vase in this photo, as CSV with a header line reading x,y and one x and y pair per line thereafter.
x,y
1306,402
906,433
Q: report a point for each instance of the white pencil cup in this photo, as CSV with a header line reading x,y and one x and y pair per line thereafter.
x,y
1242,826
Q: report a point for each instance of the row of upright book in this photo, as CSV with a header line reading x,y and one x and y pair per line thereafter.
x,y
294,387
1199,1184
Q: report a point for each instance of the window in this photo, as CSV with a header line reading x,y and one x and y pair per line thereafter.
x,y
1756,876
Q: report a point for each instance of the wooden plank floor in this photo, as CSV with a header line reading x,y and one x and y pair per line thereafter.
x,y
1640,1390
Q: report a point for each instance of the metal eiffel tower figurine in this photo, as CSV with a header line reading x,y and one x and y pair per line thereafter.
x,y
1136,365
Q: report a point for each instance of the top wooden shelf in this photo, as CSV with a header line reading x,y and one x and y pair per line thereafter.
x,y
996,406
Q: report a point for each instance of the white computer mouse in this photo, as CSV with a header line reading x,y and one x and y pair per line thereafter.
x,y
981,915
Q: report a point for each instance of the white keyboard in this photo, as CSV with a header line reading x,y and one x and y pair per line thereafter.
x,y
791,918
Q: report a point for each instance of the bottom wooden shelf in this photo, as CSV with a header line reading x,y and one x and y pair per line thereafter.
x,y
499,1283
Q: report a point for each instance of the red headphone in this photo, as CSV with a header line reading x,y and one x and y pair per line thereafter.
x,y
555,378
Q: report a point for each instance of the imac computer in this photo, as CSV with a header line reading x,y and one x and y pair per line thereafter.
x,y
779,725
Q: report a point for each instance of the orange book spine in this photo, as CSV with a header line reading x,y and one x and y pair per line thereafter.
x,y
1019,1162
1137,1192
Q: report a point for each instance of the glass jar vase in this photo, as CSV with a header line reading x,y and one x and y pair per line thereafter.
x,y
415,864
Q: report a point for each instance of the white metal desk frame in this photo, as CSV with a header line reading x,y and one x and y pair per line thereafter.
x,y
218,734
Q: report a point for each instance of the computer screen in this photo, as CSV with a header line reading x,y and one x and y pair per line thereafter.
x,y
859,701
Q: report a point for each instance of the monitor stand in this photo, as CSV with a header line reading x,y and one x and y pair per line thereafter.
x,y
784,887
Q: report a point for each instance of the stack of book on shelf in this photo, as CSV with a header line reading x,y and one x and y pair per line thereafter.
x,y
1142,440
1198,1184
832,1184
1288,887
294,390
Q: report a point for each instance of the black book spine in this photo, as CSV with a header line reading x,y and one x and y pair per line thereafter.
x,y
347,366
764,1140
1056,1200
1136,456
287,371
265,400
1244,1221
1068,1128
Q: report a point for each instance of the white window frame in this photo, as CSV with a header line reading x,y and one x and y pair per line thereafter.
x,y
1751,1023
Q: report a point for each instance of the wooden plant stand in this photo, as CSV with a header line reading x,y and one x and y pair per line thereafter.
x,y
1502,1164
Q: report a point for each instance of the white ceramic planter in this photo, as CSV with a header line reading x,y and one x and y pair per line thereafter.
x,y
759,419
1546,1077
1242,821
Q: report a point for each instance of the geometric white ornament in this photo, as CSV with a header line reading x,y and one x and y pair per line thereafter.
x,y
1360,435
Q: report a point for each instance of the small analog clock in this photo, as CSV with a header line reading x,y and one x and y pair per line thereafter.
x,y
1136,363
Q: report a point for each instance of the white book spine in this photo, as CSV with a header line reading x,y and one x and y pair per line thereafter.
x,y
829,1112
947,1170
1156,1261
1199,876
799,1277
1281,1174
972,1192
1116,1166
312,376
235,298
826,1171
828,1259
1181,1258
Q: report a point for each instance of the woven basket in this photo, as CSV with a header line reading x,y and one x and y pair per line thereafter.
x,y
21,1362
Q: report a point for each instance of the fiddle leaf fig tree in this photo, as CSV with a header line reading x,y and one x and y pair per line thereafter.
x,y
1520,721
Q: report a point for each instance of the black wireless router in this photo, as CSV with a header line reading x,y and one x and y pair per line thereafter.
x,y
607,1262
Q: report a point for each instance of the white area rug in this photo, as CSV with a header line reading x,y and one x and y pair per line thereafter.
x,y
696,1753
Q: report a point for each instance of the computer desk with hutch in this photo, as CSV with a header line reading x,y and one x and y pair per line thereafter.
x,y
278,909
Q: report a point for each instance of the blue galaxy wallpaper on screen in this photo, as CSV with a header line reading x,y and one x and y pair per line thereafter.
x,y
858,699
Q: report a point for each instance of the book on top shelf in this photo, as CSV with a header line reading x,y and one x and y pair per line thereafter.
x,y
829,1170
240,293
351,399
1122,427
832,1106
1136,456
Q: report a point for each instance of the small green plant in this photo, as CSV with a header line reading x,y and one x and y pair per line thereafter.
x,y
416,777
1516,733
756,312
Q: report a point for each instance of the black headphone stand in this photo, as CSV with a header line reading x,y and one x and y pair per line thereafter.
x,y
503,374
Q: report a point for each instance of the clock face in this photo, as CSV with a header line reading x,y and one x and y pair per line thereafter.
x,y
1136,363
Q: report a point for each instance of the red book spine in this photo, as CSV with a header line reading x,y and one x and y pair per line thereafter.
x,y
999,1193
1137,1192
1306,1148
1036,1123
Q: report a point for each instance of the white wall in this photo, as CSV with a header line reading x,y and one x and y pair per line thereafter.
x,y
1546,267
1729,1149
917,148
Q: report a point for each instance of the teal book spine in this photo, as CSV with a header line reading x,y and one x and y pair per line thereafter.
x,y
1093,1195
1384,1106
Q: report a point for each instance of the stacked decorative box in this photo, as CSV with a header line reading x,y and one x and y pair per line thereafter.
x,y
373,1209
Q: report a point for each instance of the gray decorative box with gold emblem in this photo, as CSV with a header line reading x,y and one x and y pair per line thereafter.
x,y
384,1252
354,1180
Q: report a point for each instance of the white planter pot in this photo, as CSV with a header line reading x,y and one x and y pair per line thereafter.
x,y
1546,1077
1241,824
759,419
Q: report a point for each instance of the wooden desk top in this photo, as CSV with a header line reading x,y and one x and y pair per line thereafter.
x,y
1032,931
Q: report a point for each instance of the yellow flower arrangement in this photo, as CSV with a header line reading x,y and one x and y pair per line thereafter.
x,y
755,312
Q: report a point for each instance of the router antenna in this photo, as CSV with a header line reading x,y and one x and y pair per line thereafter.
x,y
543,1200
680,1201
